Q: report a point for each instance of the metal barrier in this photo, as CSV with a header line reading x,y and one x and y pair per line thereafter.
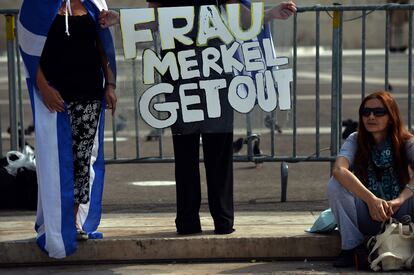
x,y
336,95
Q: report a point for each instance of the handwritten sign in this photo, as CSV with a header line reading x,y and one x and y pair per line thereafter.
x,y
256,77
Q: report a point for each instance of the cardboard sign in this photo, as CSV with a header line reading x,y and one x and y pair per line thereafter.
x,y
252,63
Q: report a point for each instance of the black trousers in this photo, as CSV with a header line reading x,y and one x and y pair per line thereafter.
x,y
218,161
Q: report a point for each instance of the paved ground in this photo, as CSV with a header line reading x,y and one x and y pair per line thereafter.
x,y
251,267
146,243
151,237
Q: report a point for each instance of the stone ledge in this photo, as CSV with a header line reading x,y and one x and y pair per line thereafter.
x,y
179,248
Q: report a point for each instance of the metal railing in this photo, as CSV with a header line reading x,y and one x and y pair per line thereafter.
x,y
336,95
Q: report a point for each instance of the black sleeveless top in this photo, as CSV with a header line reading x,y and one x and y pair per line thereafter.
x,y
72,64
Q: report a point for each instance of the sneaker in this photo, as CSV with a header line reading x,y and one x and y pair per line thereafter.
x,y
345,258
81,235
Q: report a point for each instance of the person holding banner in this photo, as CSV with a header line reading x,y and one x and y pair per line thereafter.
x,y
372,176
216,132
398,19
70,63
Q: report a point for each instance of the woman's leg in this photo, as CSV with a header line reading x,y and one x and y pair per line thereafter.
x,y
370,227
367,225
75,213
406,209
344,207
84,117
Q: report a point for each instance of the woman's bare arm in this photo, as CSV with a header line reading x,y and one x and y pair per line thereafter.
x,y
50,96
378,208
110,82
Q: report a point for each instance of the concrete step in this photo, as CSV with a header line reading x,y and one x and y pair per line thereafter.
x,y
151,237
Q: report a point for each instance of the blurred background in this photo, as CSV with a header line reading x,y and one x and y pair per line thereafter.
x,y
131,185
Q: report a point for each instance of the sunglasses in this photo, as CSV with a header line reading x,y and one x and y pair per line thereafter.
x,y
366,112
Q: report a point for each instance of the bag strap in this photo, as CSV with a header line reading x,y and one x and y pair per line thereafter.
x,y
406,219
410,231
375,264
409,263
380,239
371,242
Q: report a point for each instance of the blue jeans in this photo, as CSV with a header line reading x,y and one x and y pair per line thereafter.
x,y
352,215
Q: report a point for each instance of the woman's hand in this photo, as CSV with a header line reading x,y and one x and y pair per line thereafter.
x,y
51,98
108,18
110,98
283,11
379,209
394,204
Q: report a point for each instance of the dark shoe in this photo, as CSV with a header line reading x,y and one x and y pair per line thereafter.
x,y
188,225
402,49
81,235
393,49
345,258
188,231
361,257
224,231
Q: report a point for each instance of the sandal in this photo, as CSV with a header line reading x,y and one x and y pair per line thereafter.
x,y
81,235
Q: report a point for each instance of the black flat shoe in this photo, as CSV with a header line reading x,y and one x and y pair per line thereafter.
x,y
345,259
189,231
224,231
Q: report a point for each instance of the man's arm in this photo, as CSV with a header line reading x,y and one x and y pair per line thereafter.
x,y
282,11
108,18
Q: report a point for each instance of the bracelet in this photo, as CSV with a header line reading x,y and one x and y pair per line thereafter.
x,y
113,85
410,187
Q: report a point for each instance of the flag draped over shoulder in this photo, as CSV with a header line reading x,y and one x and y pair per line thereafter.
x,y
264,34
56,231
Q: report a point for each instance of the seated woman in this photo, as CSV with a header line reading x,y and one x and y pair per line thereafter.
x,y
372,178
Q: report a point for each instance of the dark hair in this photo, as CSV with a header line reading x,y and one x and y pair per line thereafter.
x,y
396,131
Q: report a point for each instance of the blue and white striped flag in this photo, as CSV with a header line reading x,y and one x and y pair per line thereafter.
x,y
264,34
56,231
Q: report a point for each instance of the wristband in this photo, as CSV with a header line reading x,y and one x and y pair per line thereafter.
x,y
113,85
410,187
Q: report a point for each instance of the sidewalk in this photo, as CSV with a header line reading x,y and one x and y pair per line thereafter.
x,y
149,237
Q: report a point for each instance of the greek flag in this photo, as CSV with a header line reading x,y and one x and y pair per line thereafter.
x,y
56,231
264,34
